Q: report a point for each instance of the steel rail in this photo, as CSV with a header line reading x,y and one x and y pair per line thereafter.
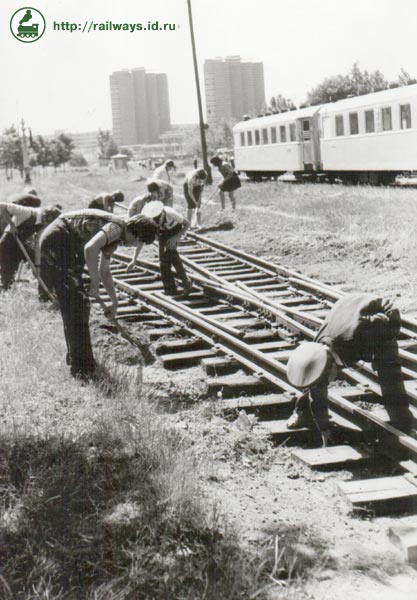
x,y
266,368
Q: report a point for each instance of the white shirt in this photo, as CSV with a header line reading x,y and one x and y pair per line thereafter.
x,y
170,219
161,173
19,214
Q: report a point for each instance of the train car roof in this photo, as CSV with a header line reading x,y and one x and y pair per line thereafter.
x,y
384,96
284,117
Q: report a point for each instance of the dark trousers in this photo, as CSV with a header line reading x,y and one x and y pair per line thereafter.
x,y
61,270
169,258
386,362
10,258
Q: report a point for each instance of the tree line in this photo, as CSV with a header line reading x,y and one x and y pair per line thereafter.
x,y
56,152
355,82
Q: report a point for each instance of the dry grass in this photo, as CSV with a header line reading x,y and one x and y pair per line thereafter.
x,y
100,496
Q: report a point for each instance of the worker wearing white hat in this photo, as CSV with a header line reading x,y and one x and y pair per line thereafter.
x,y
171,227
359,327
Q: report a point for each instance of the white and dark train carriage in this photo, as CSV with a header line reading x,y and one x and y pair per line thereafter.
x,y
368,139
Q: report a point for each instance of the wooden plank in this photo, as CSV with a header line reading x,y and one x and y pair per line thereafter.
x,y
278,431
219,365
404,536
233,385
280,402
154,334
184,359
331,456
384,495
179,345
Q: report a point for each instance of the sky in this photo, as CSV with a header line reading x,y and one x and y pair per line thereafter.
x,y
61,82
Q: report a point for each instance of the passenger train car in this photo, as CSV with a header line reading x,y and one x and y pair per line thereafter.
x,y
368,139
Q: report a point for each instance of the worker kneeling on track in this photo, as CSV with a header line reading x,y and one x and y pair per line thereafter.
x,y
26,224
73,240
358,327
171,227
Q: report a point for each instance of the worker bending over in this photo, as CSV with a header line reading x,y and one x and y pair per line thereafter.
x,y
106,201
171,227
358,327
230,182
73,240
193,189
27,224
165,171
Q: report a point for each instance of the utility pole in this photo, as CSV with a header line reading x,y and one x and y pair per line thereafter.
x,y
207,167
26,167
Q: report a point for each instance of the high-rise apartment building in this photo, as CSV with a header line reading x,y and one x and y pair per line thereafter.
x,y
140,106
233,88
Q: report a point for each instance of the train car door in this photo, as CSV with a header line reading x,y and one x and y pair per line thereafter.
x,y
309,134
308,151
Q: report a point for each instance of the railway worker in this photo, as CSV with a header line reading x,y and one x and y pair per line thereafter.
x,y
165,171
29,198
161,190
106,201
171,227
137,204
230,183
358,327
77,238
193,189
24,222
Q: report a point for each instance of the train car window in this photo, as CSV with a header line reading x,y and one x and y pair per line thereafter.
x,y
405,116
250,143
273,135
283,133
257,137
264,136
306,125
242,138
386,118
292,132
339,125
353,123
369,121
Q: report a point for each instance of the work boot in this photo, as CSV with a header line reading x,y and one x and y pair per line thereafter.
x,y
299,420
188,288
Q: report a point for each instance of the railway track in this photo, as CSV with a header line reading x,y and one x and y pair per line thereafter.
x,y
241,323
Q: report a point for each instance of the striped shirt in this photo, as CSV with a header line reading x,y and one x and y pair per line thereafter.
x,y
86,223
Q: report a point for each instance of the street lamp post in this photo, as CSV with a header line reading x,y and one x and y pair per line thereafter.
x,y
25,156
200,107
